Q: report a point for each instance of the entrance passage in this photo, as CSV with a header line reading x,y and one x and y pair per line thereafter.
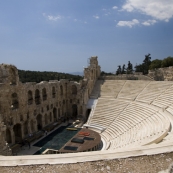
x,y
74,111
55,114
17,133
39,121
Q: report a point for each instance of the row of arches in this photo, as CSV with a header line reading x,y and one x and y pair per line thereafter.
x,y
37,96
20,130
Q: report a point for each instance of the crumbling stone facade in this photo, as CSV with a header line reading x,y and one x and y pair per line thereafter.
x,y
28,108
162,74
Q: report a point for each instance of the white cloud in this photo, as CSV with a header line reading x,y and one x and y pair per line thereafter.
x,y
114,7
96,17
149,22
128,23
158,9
52,18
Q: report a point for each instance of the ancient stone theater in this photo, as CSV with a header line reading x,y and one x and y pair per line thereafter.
x,y
129,117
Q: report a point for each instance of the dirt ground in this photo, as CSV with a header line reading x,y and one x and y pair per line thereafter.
x,y
143,164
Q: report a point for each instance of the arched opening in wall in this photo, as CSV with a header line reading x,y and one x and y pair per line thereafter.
x,y
37,97
32,126
15,103
54,114
74,89
17,133
46,119
30,97
8,136
12,76
50,117
53,92
61,90
25,128
44,94
74,111
59,114
39,121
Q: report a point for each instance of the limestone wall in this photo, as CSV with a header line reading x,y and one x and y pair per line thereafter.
x,y
27,108
162,74
126,77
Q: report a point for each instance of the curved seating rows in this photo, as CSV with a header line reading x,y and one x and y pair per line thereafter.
x,y
132,112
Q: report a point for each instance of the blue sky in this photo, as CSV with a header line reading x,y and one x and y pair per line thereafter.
x,y
60,35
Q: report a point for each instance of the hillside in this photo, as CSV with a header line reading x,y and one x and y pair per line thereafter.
x,y
38,76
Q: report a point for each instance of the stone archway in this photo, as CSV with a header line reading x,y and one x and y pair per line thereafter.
x,y
55,114
61,90
50,117
17,133
30,97
39,122
74,111
8,136
44,94
74,89
15,103
37,97
53,92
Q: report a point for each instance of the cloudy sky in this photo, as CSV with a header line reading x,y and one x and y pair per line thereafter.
x,y
60,35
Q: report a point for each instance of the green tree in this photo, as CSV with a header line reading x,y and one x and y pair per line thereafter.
x,y
118,70
129,68
157,63
146,64
139,68
167,62
123,69
144,67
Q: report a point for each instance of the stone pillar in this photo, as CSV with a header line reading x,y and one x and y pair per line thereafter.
x,y
12,136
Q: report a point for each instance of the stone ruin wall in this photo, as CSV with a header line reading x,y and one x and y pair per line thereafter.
x,y
25,106
162,74
134,76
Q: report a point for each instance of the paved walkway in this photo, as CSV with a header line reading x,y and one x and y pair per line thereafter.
x,y
82,157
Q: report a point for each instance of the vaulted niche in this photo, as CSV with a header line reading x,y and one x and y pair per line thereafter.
x,y
44,94
30,98
37,97
74,89
53,92
61,90
15,102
